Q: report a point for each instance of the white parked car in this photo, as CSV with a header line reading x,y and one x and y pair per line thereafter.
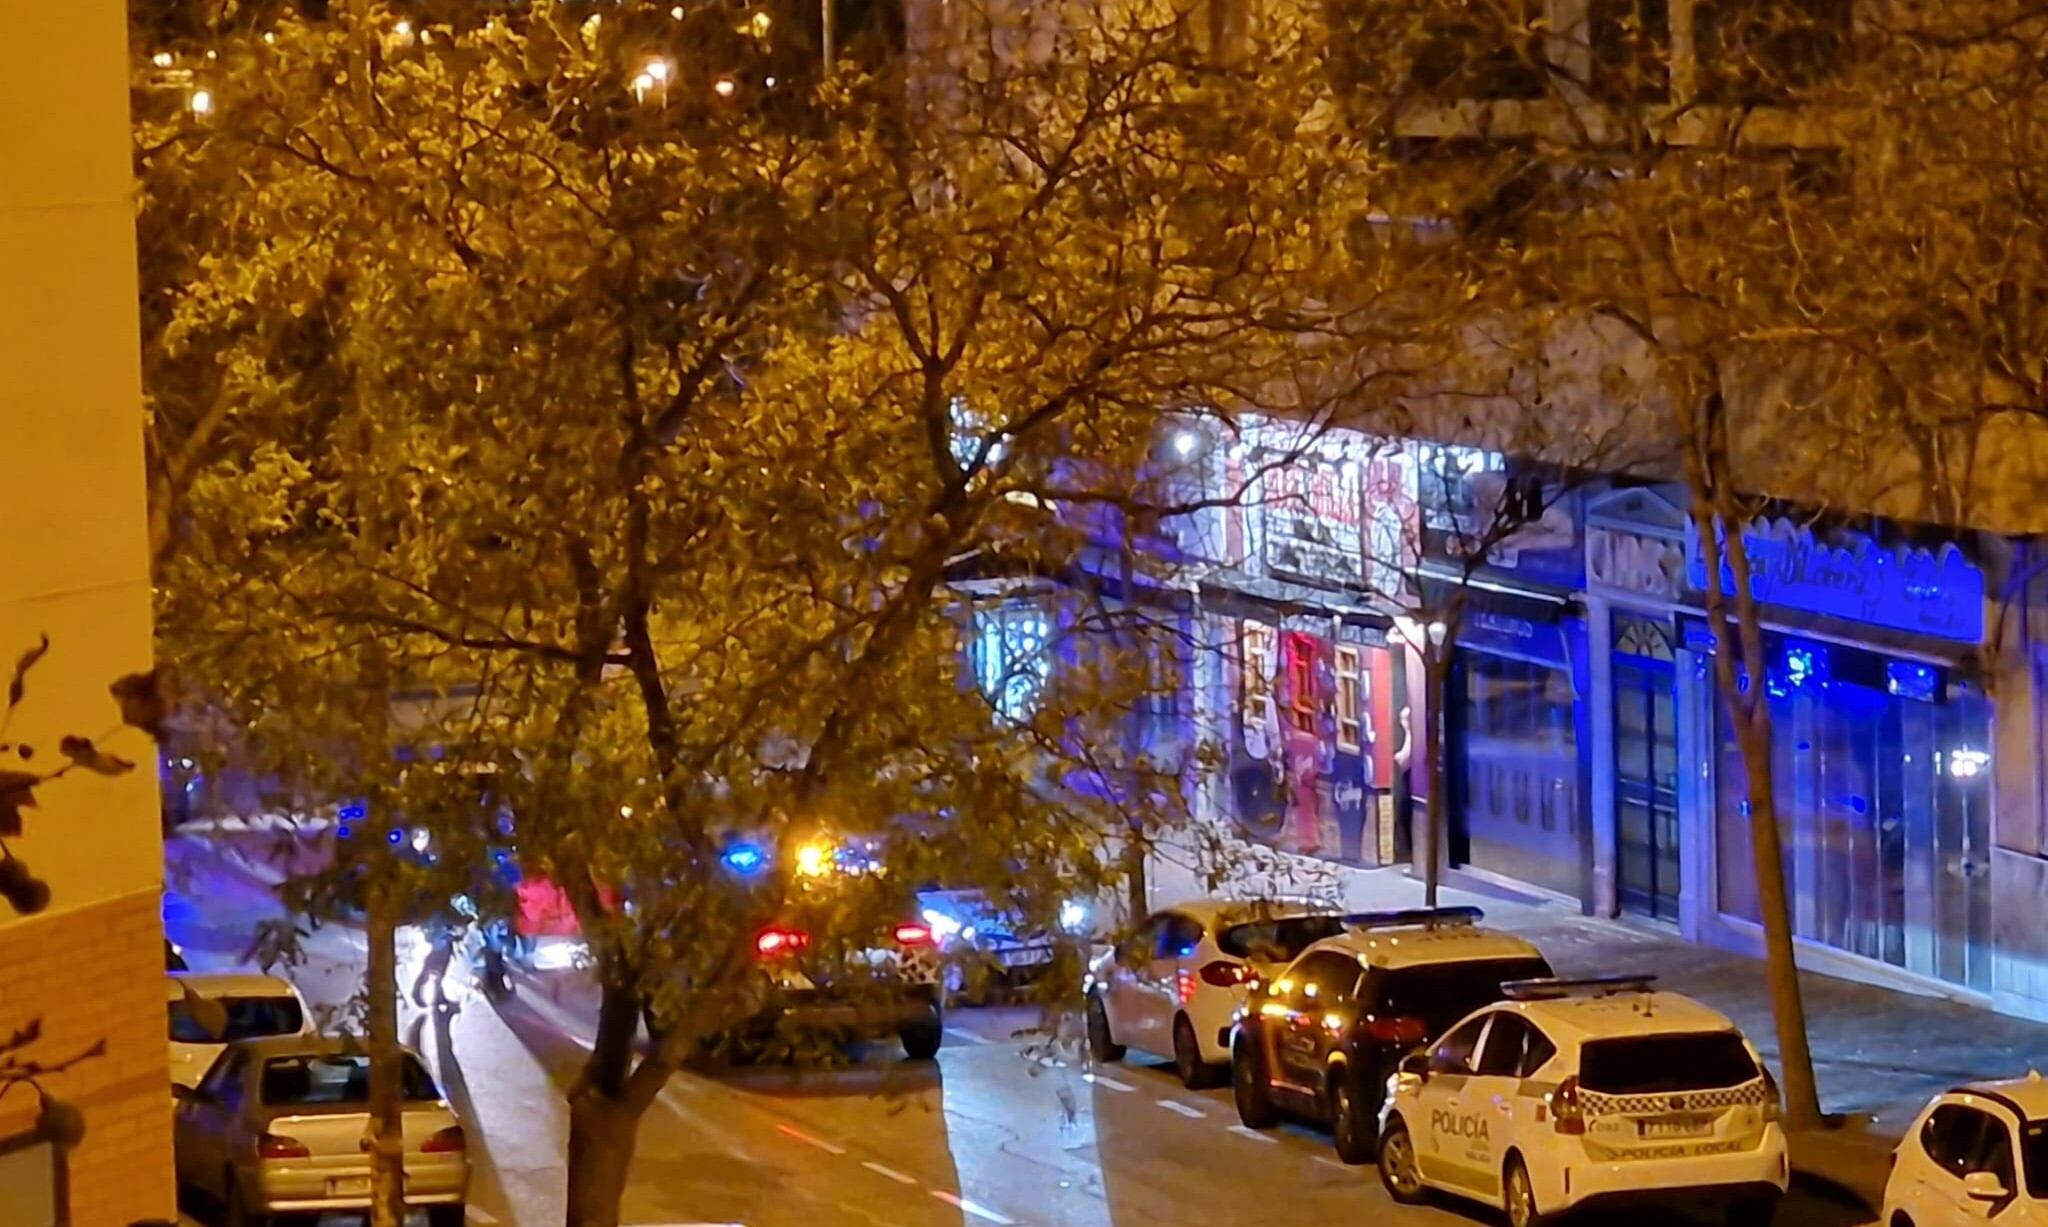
x,y
278,1126
1978,1153
1588,1092
207,1012
1175,985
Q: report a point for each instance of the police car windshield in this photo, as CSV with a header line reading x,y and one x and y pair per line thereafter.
x,y
1653,1064
1442,993
241,1018
1278,941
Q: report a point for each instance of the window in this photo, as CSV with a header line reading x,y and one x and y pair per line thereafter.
x,y
1351,700
1950,1137
1301,682
1631,42
1483,49
240,1018
223,1082
1011,656
1442,994
1760,51
334,1078
1178,936
1327,979
2034,1158
1654,1064
1453,1054
1502,1056
1277,941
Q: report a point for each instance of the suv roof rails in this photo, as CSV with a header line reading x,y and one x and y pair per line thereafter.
x,y
1415,916
1585,986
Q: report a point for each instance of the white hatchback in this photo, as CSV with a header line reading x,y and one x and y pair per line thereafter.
x,y
1175,985
206,1012
1978,1153
1587,1092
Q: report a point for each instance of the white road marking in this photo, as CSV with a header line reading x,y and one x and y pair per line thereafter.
x,y
1253,1134
974,1208
889,1172
1051,1062
967,1037
791,1131
1106,1080
1175,1105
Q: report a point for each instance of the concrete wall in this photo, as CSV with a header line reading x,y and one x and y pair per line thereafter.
x,y
74,565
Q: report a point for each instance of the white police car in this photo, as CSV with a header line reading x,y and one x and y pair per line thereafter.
x,y
1587,1092
1978,1153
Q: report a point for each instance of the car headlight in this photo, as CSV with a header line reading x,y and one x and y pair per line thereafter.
x,y
814,860
1074,916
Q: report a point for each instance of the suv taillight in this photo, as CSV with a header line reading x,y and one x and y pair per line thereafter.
x,y
1566,1111
277,1146
774,942
1772,1107
1397,1030
445,1140
1225,975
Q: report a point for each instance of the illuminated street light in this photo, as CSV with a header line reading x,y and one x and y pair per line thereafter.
x,y
676,12
724,87
761,23
657,70
201,102
642,86
162,59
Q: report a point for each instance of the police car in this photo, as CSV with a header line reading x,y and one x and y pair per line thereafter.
x,y
1587,1092
1977,1153
1320,1039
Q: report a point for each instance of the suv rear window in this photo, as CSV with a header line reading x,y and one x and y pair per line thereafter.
x,y
1442,993
247,1018
1651,1064
334,1080
1278,941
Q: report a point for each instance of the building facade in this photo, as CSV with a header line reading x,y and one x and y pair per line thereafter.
x,y
87,966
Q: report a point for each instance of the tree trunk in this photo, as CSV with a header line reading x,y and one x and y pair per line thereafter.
x,y
387,1135
1138,896
602,1133
1435,673
1781,968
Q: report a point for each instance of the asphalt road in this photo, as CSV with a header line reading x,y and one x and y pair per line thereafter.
x,y
1004,1130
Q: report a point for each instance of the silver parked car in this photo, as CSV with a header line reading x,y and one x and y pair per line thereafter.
x,y
280,1126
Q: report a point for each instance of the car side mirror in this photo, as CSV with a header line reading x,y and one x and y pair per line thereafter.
x,y
1416,1063
1985,1186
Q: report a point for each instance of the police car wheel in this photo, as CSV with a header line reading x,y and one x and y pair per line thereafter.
x,y
1195,1073
1350,1123
1520,1196
1248,1089
1100,1045
1398,1170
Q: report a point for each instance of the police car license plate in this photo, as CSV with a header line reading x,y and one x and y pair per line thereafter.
x,y
1675,1127
1029,956
348,1186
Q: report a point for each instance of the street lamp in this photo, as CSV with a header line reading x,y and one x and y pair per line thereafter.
x,y
201,102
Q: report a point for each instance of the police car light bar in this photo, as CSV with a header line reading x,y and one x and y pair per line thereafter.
x,y
1415,916
1588,986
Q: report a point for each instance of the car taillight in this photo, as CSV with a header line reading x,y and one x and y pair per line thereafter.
x,y
913,935
1225,975
772,942
1566,1111
1771,1105
445,1140
1183,986
1397,1030
277,1146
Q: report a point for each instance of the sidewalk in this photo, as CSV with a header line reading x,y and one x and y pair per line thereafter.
x,y
1879,1054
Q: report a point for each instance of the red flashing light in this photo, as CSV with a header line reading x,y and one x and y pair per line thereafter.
x,y
913,935
780,941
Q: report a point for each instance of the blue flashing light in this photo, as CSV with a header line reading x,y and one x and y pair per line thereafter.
x,y
744,859
341,832
352,812
395,837
1908,679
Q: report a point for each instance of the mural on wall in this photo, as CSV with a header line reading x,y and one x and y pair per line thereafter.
x,y
1315,744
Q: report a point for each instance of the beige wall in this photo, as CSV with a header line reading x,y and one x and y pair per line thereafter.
x,y
73,564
